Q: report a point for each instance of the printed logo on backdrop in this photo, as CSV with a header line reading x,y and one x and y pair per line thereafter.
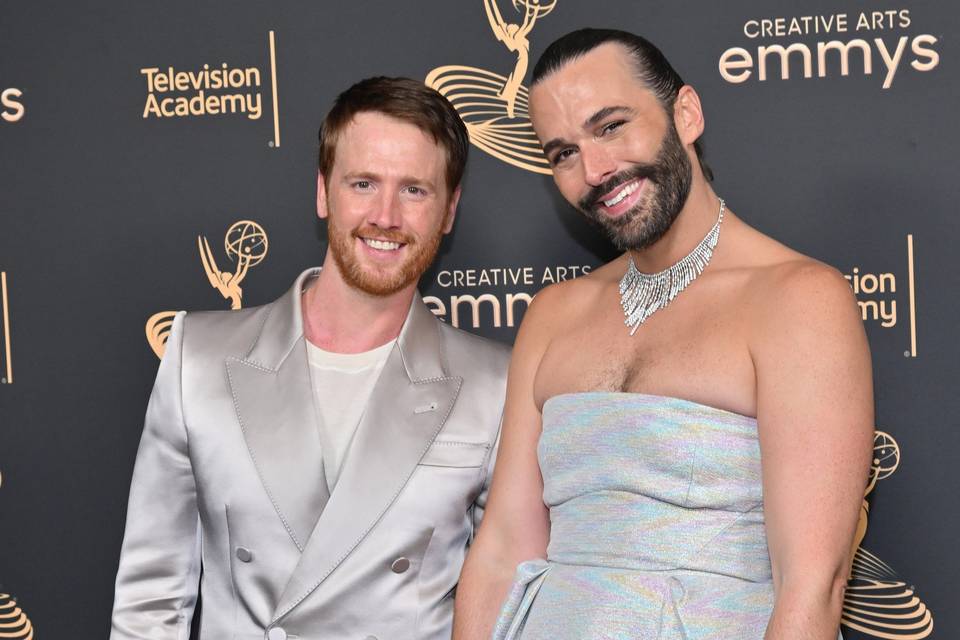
x,y
880,43
6,363
212,90
14,623
877,602
493,296
11,105
246,245
494,106
878,294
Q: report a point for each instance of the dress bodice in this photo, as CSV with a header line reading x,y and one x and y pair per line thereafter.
x,y
656,525
652,483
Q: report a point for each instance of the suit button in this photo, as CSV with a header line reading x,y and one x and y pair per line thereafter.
x,y
245,555
276,633
400,565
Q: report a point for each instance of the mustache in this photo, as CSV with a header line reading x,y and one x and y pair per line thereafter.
x,y
591,200
391,235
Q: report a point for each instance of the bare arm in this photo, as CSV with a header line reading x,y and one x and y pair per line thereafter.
x,y
516,525
815,416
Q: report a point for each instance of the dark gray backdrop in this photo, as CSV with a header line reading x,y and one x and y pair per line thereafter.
x,y
100,210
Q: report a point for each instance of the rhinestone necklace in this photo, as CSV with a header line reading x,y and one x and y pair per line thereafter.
x,y
643,294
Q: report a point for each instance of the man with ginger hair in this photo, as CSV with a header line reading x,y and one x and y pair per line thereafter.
x,y
316,467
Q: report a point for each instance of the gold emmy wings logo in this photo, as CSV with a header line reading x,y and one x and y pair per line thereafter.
x,y
14,623
877,602
494,107
246,244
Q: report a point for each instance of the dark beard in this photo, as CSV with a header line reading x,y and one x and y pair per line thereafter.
x,y
651,217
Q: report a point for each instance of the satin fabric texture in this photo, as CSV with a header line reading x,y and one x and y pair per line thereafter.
x,y
229,478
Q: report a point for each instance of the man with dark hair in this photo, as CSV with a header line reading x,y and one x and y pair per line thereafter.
x,y
316,467
629,499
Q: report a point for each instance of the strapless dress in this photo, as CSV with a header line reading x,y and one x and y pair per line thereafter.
x,y
657,531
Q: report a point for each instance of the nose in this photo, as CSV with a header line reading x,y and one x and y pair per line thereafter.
x,y
386,214
598,165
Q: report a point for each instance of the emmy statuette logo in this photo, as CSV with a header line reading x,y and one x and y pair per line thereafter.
x,y
245,244
877,602
494,107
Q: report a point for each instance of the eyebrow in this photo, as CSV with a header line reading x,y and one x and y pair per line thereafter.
x,y
599,116
604,113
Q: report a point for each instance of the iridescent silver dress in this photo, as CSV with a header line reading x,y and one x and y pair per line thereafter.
x,y
657,531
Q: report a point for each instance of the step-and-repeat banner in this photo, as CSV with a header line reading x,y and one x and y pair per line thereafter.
x,y
162,156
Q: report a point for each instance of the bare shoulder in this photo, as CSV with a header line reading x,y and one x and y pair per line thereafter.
x,y
801,282
563,304
787,291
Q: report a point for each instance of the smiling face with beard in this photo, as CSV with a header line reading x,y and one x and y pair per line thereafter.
x,y
651,216
386,203
614,148
374,279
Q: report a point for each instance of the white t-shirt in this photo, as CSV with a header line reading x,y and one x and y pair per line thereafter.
x,y
342,383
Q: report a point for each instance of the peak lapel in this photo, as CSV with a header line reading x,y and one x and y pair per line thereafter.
x,y
390,440
273,397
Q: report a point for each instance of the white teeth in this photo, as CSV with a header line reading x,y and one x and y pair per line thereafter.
x,y
627,190
383,245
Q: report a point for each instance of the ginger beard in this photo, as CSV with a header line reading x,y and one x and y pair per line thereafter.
x,y
374,279
670,175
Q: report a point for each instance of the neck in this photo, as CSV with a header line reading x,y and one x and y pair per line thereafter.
x,y
340,318
695,220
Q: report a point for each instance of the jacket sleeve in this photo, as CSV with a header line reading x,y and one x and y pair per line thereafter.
x,y
480,504
499,379
158,576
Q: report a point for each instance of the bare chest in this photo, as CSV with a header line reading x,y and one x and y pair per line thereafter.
x,y
697,351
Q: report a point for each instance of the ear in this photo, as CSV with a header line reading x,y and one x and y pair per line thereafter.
x,y
321,197
688,115
451,212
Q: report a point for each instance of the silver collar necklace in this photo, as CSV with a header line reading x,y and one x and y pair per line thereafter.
x,y
643,294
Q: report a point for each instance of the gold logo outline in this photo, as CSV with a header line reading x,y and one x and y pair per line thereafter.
x,y
244,240
877,602
495,107
5,303
14,623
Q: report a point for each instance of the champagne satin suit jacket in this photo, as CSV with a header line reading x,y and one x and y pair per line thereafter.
x,y
229,498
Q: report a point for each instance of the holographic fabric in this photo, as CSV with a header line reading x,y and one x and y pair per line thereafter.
x,y
657,531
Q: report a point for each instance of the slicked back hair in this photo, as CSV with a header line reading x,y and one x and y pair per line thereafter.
x,y
404,99
652,67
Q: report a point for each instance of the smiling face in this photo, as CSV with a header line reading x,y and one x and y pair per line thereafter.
x,y
386,203
615,153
